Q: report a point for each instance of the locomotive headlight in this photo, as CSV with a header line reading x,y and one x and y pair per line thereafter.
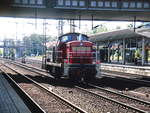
x,y
98,62
68,45
81,44
66,61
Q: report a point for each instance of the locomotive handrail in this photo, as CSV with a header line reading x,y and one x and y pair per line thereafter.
x,y
82,52
79,53
56,52
80,57
75,54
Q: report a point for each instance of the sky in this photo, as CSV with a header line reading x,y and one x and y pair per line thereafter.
x,y
16,28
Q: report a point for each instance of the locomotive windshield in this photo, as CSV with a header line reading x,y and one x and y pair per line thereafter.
x,y
72,37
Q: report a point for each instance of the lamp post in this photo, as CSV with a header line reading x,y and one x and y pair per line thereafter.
x,y
24,53
60,27
16,30
33,26
44,38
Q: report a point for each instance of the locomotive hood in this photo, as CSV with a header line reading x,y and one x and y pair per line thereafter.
x,y
79,43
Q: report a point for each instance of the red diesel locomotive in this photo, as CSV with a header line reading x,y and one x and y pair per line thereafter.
x,y
73,57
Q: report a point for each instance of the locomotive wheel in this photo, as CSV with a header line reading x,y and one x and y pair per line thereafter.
x,y
72,77
89,79
57,73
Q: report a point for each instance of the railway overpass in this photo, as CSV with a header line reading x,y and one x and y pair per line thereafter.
x,y
10,45
128,10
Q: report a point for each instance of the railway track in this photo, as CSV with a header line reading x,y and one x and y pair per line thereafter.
x,y
125,99
110,74
104,74
122,98
116,102
134,80
40,93
118,94
35,69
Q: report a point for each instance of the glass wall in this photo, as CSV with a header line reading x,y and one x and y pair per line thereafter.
x,y
133,51
103,49
116,51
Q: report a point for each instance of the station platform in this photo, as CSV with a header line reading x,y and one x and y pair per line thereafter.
x,y
138,70
10,102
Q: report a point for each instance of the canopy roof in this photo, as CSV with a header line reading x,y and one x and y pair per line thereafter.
x,y
144,32
120,34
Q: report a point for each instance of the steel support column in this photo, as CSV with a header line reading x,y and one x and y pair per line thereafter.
x,y
134,24
108,52
79,22
36,14
123,52
92,21
143,51
44,39
60,27
72,26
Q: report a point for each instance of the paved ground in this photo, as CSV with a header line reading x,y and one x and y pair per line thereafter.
x,y
10,102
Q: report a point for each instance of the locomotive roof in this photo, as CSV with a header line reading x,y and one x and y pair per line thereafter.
x,y
72,33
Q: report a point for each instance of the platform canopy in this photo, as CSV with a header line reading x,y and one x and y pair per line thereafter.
x,y
120,34
144,32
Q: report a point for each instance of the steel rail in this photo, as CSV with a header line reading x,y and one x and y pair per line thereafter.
x,y
113,101
33,69
107,74
38,69
32,105
122,95
135,99
64,101
142,82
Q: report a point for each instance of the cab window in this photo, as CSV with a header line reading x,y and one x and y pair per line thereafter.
x,y
73,37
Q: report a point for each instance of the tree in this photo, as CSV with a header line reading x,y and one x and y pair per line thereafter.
x,y
137,54
118,27
99,28
1,52
130,26
34,44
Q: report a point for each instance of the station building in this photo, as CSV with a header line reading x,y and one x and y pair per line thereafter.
x,y
126,46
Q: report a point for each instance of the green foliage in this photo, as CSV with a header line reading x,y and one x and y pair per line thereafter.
x,y
101,28
130,26
138,54
118,27
11,53
34,44
1,52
